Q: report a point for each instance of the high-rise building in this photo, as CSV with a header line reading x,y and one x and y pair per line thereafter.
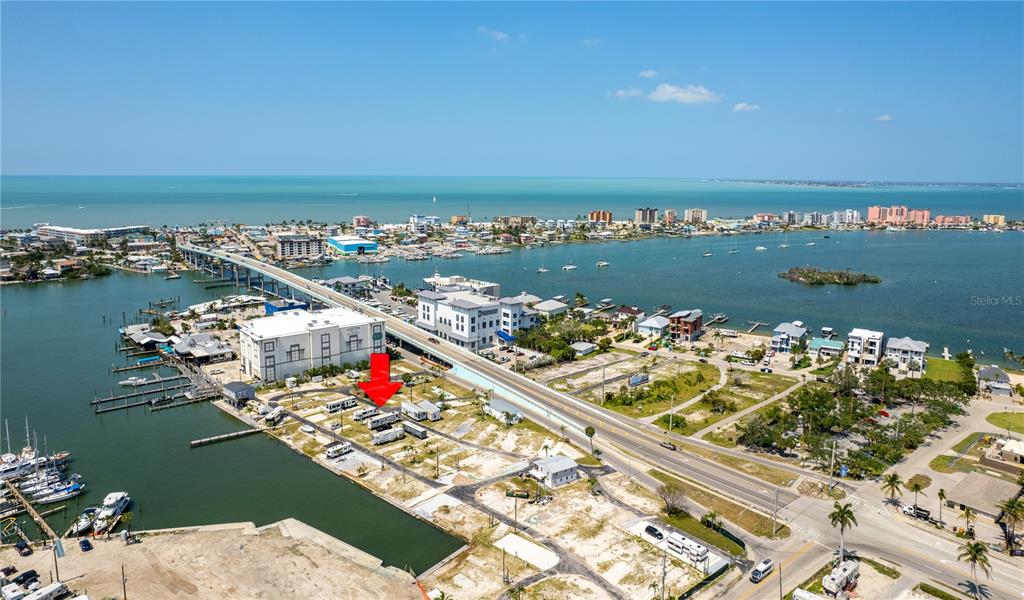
x,y
360,221
459,220
646,216
899,215
997,220
792,217
599,216
953,220
695,215
670,216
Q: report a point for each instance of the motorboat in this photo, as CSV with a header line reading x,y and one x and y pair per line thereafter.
x,y
812,243
707,253
114,504
133,381
172,275
569,267
543,270
84,521
67,493
603,263
760,249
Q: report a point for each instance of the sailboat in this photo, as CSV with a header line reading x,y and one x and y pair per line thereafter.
x,y
785,243
542,268
707,253
570,266
760,249
735,248
604,261
812,243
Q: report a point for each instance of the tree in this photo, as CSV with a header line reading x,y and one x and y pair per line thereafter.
x,y
127,518
1013,514
942,500
916,487
969,516
976,555
590,431
673,495
842,517
892,484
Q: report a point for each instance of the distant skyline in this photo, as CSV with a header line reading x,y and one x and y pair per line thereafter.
x,y
910,92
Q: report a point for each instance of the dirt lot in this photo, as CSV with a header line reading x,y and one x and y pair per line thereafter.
x,y
288,559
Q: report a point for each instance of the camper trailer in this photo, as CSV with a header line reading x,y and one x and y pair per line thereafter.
x,y
366,413
687,547
337,449
414,430
388,435
335,406
382,420
274,416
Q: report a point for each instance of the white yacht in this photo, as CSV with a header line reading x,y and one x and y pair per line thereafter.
x,y
84,521
760,249
707,253
114,504
812,243
133,381
603,263
569,267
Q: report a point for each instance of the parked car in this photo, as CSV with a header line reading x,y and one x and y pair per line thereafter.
x,y
762,570
653,531
652,347
747,363
644,353
702,359
669,445
25,577
85,545
8,570
23,549
766,369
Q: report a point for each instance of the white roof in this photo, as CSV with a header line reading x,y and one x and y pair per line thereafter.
x,y
471,297
294,322
550,305
656,321
866,334
1014,447
555,463
905,343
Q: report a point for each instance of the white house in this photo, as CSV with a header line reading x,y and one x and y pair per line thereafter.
x,y
583,348
654,326
555,471
864,347
550,308
465,318
516,313
906,354
290,342
503,411
787,335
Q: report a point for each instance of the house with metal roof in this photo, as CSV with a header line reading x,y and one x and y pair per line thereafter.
x,y
503,411
825,347
906,354
655,326
555,471
786,336
550,308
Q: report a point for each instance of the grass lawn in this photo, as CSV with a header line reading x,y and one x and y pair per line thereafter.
x,y
751,389
693,527
751,521
688,388
931,590
826,370
770,474
967,441
941,369
924,480
1004,420
940,464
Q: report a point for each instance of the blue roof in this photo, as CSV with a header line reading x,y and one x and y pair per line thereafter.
x,y
505,336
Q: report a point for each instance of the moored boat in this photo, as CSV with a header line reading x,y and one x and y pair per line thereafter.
x,y
84,521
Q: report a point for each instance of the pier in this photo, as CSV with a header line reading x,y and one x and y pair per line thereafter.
x,y
40,521
754,325
139,393
717,319
105,409
202,396
147,365
223,437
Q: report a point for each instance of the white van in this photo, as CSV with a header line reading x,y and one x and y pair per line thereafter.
x,y
762,570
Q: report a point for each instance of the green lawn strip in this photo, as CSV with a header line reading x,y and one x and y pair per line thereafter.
x,y
733,512
694,528
886,570
941,369
924,480
813,583
941,464
689,427
772,475
931,590
967,441
1004,420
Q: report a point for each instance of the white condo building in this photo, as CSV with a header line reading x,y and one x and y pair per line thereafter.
x,y
464,318
297,246
290,342
864,347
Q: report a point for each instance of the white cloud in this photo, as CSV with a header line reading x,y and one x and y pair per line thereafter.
x,y
884,117
744,107
691,94
498,36
626,93
591,42
648,73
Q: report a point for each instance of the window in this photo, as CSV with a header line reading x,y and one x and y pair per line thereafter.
x,y
268,346
295,353
354,342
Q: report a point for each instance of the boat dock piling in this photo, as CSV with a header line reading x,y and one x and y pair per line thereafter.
x,y
754,325
40,521
105,409
147,365
201,396
717,319
223,437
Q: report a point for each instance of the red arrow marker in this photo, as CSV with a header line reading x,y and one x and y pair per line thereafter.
x,y
380,388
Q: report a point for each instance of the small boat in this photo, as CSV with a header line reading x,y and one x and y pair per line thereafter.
x,y
603,263
707,253
114,504
569,267
84,521
785,242
760,249
133,381
812,243
734,251
543,270
67,493
172,275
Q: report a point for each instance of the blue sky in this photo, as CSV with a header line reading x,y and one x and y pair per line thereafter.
x,y
911,92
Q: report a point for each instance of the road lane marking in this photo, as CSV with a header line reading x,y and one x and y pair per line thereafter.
x,y
774,572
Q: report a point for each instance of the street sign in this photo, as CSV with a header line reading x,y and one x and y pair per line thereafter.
x,y
843,470
58,548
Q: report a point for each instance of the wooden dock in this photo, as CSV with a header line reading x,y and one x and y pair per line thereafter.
x,y
202,397
223,437
717,319
40,521
139,394
148,365
754,325
105,409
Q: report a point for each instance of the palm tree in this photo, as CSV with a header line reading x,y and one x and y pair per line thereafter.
x,y
969,516
916,487
443,596
892,484
842,517
942,500
975,554
1013,513
590,431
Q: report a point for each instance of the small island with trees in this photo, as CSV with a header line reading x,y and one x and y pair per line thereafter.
x,y
816,276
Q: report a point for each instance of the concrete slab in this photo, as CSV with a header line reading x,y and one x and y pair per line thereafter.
x,y
535,554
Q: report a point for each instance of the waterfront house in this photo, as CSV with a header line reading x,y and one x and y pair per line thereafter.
x,y
632,314
503,411
201,348
906,354
288,343
995,381
864,347
351,286
655,326
583,348
686,325
550,308
465,318
825,348
238,393
516,313
555,471
786,336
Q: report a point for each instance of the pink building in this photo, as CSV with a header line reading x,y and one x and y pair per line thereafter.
x,y
360,221
767,218
899,215
953,220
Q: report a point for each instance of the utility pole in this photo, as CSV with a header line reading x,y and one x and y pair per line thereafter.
x,y
831,467
664,554
124,584
780,580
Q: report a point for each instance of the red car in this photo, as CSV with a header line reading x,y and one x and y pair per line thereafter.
x,y
652,347
884,413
